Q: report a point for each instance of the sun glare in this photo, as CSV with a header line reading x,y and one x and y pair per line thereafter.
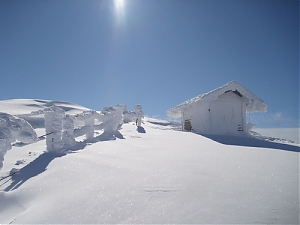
x,y
119,11
119,4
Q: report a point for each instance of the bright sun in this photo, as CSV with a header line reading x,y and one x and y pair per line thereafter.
x,y
119,4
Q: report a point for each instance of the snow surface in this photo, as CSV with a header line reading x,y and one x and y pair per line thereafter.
x,y
153,174
280,134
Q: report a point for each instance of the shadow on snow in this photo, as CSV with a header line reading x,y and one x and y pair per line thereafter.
x,y
140,129
33,169
251,142
39,165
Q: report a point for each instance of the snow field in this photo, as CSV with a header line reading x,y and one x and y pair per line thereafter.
x,y
280,133
155,174
161,176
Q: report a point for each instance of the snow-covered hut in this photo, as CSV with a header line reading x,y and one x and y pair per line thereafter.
x,y
221,111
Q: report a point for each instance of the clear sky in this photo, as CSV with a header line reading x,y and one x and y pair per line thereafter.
x,y
157,53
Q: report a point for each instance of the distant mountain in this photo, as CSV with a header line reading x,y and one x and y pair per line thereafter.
x,y
26,106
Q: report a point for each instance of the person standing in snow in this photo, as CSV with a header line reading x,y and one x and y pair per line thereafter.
x,y
136,121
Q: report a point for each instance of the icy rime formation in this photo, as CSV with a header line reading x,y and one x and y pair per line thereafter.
x,y
89,123
13,128
60,127
139,114
68,131
118,116
128,116
111,118
88,117
53,124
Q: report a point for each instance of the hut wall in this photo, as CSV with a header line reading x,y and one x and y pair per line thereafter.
x,y
227,115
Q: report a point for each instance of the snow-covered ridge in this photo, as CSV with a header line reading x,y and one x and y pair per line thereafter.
x,y
27,106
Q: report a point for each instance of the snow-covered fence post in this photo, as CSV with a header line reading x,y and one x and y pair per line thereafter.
x,y
108,119
88,117
139,114
125,109
112,120
68,131
128,116
53,124
119,116
89,123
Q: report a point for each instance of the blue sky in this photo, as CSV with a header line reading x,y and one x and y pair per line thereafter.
x,y
157,53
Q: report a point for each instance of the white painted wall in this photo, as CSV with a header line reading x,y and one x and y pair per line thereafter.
x,y
225,115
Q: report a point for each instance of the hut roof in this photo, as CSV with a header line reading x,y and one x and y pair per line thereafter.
x,y
254,104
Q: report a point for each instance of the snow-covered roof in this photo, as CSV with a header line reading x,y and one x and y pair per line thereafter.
x,y
254,103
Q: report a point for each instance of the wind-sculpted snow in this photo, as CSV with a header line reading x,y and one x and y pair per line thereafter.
x,y
13,128
60,128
